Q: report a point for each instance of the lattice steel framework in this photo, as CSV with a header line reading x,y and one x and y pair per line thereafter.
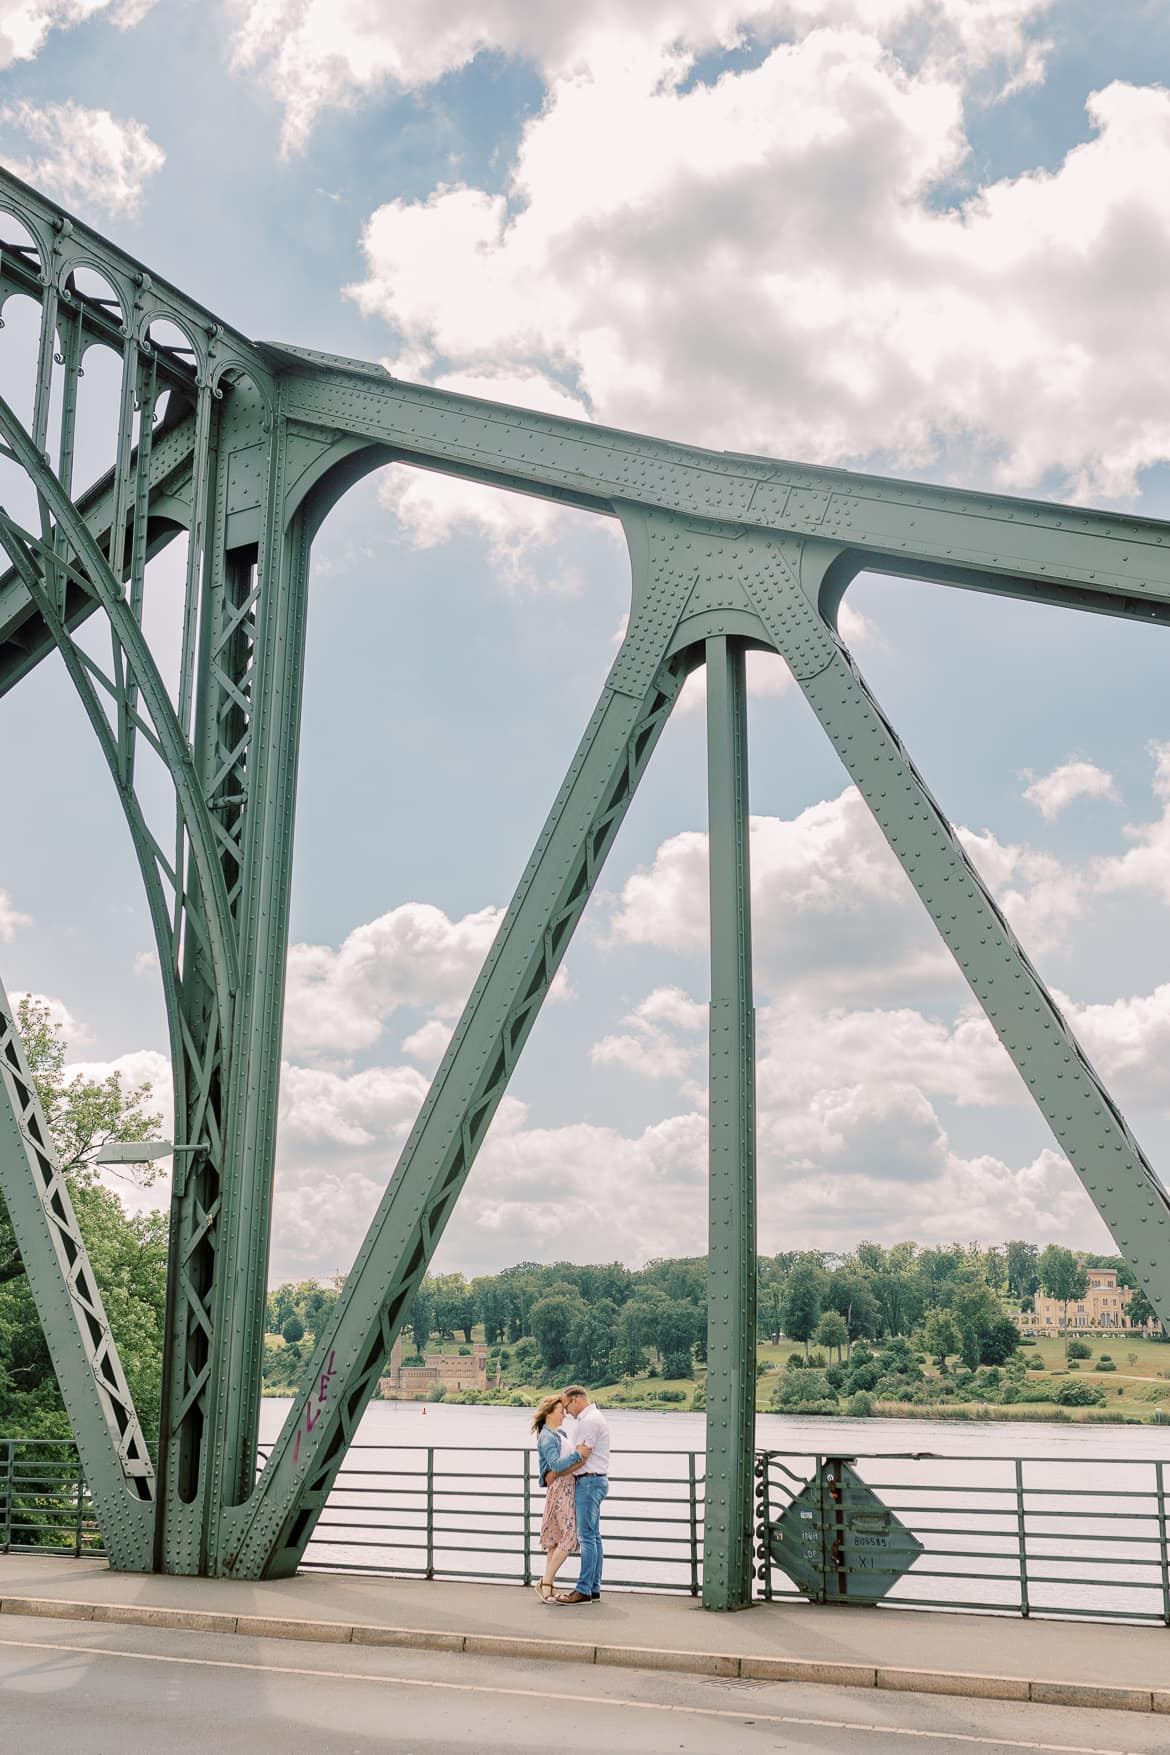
x,y
240,449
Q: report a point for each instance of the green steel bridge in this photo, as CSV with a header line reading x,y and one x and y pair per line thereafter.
x,y
243,447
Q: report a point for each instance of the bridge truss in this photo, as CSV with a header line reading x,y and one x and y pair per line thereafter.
x,y
240,449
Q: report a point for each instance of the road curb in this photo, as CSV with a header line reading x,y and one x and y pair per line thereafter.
x,y
747,1667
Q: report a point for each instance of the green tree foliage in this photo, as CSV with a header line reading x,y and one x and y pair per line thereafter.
x,y
1023,1278
1062,1277
802,1300
940,1337
831,1333
556,1320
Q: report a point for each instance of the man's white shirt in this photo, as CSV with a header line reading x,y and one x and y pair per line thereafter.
x,y
590,1428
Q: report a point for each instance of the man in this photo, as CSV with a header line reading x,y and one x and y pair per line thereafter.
x,y
592,1485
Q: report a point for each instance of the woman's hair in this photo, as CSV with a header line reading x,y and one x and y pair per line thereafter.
x,y
544,1410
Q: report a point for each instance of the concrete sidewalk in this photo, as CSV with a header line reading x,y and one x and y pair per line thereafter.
x,y
1065,1663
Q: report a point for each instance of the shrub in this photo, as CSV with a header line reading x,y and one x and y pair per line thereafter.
x,y
1036,1364
1078,1395
699,1396
1027,1340
1079,1350
680,1363
817,1360
465,1352
1104,1364
1074,1364
810,1391
860,1405
670,1395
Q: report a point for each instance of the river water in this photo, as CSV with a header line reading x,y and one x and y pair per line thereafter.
x,y
452,1491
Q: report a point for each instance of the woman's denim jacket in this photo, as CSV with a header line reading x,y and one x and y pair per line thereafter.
x,y
551,1461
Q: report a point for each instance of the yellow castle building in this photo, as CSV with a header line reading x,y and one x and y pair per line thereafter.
x,y
1104,1308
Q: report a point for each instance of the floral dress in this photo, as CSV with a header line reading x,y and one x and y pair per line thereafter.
x,y
558,1527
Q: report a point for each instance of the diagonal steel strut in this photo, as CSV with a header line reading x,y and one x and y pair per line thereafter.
x,y
268,1536
110,1441
1066,1089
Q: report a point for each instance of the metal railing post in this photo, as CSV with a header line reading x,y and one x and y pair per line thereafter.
x,y
430,1511
1162,1555
694,1509
527,1519
1022,1537
80,1510
6,1529
763,1521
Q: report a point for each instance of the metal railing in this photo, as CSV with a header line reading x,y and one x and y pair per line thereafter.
x,y
44,1502
1035,1536
1014,1536
441,1511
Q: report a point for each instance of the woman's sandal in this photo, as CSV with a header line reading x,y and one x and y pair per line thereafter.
x,y
544,1591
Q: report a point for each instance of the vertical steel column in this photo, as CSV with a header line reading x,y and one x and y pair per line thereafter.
x,y
731,1310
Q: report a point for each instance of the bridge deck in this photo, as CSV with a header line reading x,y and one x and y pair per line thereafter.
x,y
1072,1663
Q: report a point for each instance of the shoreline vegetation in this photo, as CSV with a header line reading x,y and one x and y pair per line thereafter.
x,y
881,1333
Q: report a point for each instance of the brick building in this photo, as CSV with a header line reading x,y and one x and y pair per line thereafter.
x,y
404,1383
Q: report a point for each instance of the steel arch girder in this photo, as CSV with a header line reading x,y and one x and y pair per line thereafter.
x,y
1111,1165
110,1441
1111,563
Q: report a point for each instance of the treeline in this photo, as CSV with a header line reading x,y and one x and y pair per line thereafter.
x,y
606,1322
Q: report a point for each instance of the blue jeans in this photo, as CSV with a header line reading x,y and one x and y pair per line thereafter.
x,y
588,1495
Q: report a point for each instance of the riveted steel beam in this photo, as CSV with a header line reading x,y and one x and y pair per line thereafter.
x,y
110,1440
731,1261
1087,1124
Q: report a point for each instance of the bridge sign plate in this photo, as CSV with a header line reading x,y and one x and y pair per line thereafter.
x,y
838,1542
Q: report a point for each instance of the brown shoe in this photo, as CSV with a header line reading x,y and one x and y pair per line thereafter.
x,y
574,1596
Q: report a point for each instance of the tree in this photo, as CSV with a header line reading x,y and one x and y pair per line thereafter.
x,y
1062,1277
976,1310
556,1320
831,1332
421,1319
851,1294
293,1330
1022,1276
1140,1310
940,1337
802,1301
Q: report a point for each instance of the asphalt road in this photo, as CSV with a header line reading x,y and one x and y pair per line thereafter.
x,y
110,1690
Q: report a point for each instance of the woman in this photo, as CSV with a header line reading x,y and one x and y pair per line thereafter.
x,y
558,1528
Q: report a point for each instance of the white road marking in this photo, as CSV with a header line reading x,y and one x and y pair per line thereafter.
x,y
545,1694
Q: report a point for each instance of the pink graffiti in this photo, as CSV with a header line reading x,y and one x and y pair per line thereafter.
x,y
311,1417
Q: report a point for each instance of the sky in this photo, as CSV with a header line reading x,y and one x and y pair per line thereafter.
x,y
928,238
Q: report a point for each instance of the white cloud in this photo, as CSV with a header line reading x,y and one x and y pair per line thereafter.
x,y
1054,792
377,1105
84,157
428,1043
1146,866
763,263
832,910
415,955
11,918
651,1045
25,25
317,53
